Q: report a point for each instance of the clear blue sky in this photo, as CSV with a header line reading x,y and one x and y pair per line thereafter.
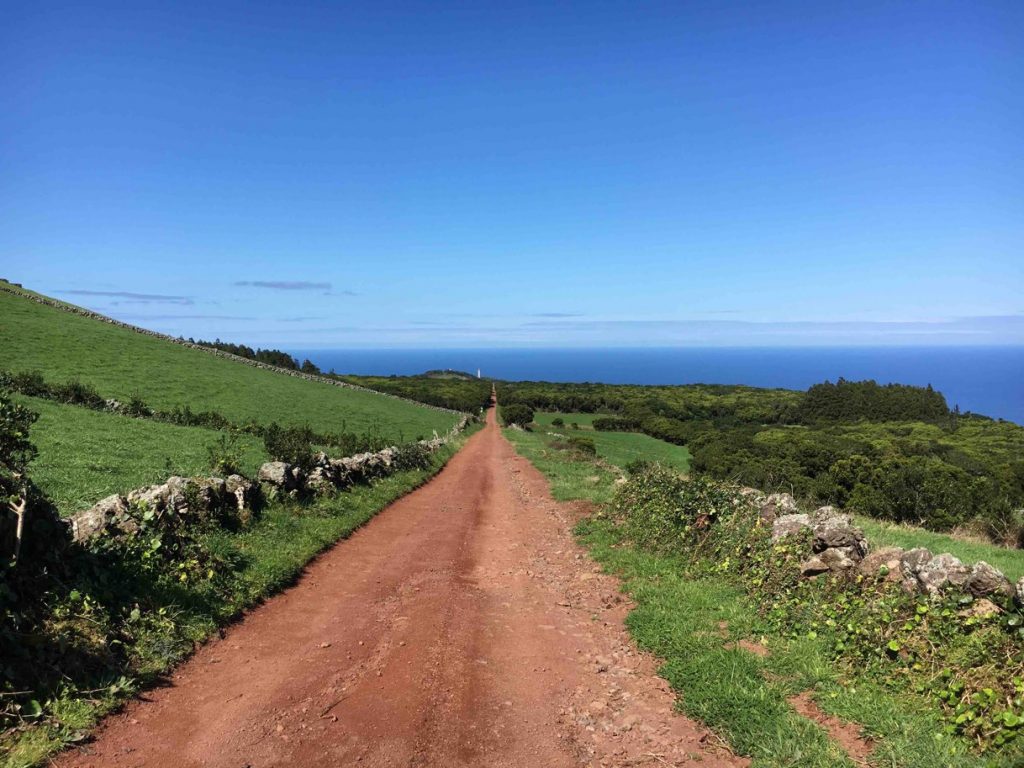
x,y
501,174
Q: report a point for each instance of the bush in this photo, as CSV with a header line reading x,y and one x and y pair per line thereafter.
x,y
77,393
411,456
30,383
557,422
293,445
638,466
520,415
137,407
584,445
225,455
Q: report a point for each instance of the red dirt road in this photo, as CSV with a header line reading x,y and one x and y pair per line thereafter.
x,y
461,627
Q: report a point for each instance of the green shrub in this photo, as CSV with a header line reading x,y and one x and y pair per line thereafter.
x,y
226,454
290,444
558,422
411,456
638,466
584,445
520,415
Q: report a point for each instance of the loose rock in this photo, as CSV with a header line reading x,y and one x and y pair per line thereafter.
x,y
986,580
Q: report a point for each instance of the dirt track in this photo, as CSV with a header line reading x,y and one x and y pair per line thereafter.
x,y
461,627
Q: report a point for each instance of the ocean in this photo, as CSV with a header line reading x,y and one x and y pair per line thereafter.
x,y
986,380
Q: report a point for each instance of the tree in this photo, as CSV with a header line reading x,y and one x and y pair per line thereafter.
x,y
520,415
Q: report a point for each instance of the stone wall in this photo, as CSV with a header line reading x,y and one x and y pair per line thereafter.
x,y
838,546
201,496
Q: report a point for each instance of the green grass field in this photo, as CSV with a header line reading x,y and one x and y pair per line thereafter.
x,y
120,363
618,448
85,455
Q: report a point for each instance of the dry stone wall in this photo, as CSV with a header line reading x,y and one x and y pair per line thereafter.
x,y
838,546
204,496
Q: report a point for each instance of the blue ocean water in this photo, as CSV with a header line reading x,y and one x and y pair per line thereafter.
x,y
987,380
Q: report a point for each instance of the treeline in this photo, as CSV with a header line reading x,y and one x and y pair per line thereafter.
x,y
456,392
847,401
839,402
268,356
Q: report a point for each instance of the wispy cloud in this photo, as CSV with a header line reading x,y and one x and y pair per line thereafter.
x,y
300,319
285,285
183,317
556,314
132,297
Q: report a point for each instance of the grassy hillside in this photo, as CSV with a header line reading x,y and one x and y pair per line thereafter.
x,y
121,363
85,455
618,448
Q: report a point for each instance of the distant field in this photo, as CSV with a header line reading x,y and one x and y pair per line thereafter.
x,y
883,534
86,455
120,363
618,448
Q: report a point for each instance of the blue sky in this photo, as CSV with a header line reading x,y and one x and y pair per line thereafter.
x,y
437,174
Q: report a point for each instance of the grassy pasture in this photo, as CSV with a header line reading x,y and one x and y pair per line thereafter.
x,y
121,363
85,455
618,448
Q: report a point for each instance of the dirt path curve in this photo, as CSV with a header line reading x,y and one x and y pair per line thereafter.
x,y
461,627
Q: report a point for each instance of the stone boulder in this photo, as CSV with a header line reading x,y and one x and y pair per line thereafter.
x,y
814,566
986,580
242,490
887,558
154,498
980,609
787,525
778,504
1018,592
321,479
942,572
196,495
833,529
840,559
277,474
93,521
